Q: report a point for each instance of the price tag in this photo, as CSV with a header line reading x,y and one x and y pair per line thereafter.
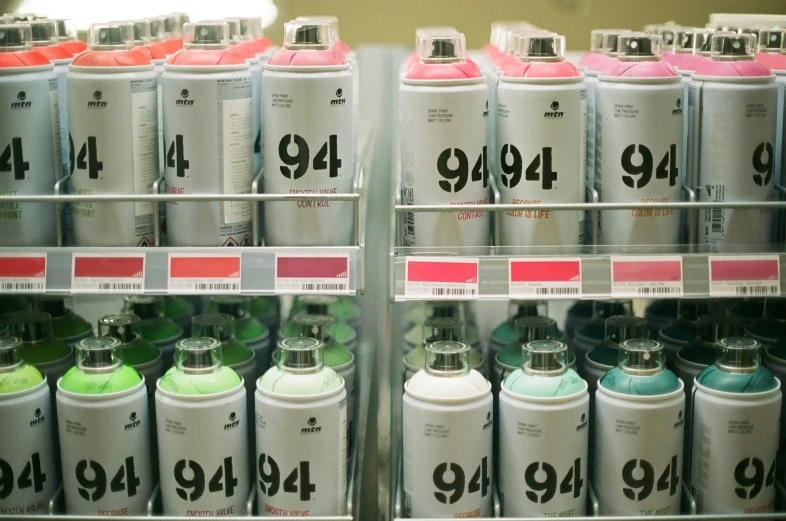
x,y
646,277
745,276
23,273
441,278
326,274
541,278
194,273
108,273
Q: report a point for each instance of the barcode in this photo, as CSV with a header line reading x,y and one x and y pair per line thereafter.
x,y
756,291
717,220
217,286
452,292
324,287
120,286
657,291
557,291
22,286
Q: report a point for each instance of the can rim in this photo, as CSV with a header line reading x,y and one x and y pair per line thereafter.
x,y
26,68
542,81
734,79
644,398
657,80
207,69
444,83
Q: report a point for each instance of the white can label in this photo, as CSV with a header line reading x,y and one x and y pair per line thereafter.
x,y
444,160
195,481
541,135
733,453
636,164
638,456
28,475
448,467
301,457
543,453
105,451
309,148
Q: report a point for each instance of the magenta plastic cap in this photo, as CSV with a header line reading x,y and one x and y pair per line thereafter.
x,y
542,47
640,47
15,37
733,47
111,37
206,35
443,48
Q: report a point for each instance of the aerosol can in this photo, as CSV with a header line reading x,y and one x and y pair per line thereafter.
x,y
301,401
202,426
543,433
774,359
49,354
736,409
444,144
593,331
27,447
505,333
602,358
436,329
30,148
155,326
639,423
701,353
681,331
733,101
447,437
541,140
104,433
113,125
248,329
461,310
208,138
633,164
309,138
66,324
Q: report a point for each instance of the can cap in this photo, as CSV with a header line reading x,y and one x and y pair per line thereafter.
x,y
198,355
702,42
100,353
527,308
321,327
611,38
442,328
689,39
712,328
9,353
738,355
311,35
146,307
31,326
669,34
250,27
435,30
157,30
603,309
44,32
733,47
446,309
447,358
173,24
236,306
544,358
53,304
624,327
639,47
597,37
772,40
300,354
141,31
206,35
531,329
641,356
234,28
111,37
443,48
315,304
329,19
126,327
542,47
15,37
214,325
500,27
66,30
755,30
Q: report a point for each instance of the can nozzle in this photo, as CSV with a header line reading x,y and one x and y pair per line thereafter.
x,y
9,354
44,32
531,329
321,327
624,327
738,355
442,48
31,326
16,37
641,356
544,358
198,355
300,354
447,358
311,35
124,326
772,40
111,37
146,307
611,41
436,329
547,48
99,354
733,47
66,30
710,329
640,47
214,325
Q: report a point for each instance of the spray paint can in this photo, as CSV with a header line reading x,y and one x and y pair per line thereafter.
x,y
733,154
248,329
413,336
543,419
30,148
66,31
324,305
639,423
603,357
155,326
111,84
202,426
771,328
66,324
541,127
47,353
736,408
444,144
309,138
436,329
208,135
448,433
301,400
701,353
681,331
633,164
27,447
104,433
505,333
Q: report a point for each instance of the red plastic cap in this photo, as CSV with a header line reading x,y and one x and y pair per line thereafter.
x,y
132,58
22,59
444,71
207,58
293,58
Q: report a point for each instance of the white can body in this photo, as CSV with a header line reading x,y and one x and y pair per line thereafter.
x,y
113,122
27,448
541,128
735,442
347,372
732,157
780,81
441,443
202,440
591,84
638,156
301,455
444,160
30,157
105,452
256,111
638,453
540,440
309,148
209,145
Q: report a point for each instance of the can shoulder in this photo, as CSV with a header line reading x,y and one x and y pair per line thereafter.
x,y
568,385
290,58
130,58
222,381
542,71
24,60
644,71
447,390
444,72
738,70
641,386
192,58
715,380
293,386
20,381
80,382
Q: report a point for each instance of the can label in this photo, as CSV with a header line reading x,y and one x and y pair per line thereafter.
x,y
543,453
732,159
309,148
448,467
30,160
634,164
195,481
638,456
734,446
28,475
301,457
114,129
541,133
105,452
209,146
444,160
